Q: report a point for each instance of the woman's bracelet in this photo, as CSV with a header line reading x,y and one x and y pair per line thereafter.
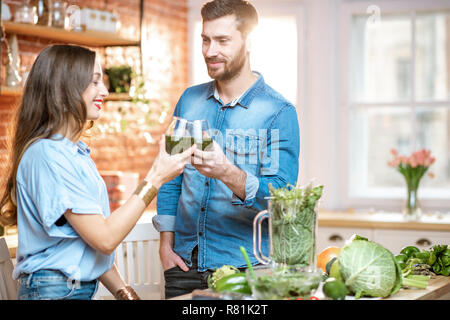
x,y
126,293
146,191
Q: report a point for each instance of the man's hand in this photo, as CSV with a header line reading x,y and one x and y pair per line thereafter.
x,y
169,258
214,164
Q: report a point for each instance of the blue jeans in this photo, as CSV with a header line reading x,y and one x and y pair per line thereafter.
x,y
54,285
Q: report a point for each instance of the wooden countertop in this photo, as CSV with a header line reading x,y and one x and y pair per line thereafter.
x,y
438,289
383,220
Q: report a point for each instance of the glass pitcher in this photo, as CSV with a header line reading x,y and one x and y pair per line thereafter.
x,y
292,233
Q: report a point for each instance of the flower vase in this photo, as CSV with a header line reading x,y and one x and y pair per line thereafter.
x,y
412,210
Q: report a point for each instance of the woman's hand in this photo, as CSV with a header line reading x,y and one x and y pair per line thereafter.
x,y
167,167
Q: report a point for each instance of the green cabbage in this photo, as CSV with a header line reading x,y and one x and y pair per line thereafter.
x,y
369,269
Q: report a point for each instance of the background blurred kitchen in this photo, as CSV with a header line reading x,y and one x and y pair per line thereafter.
x,y
366,77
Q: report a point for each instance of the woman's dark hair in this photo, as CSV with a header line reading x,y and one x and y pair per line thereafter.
x,y
52,100
244,11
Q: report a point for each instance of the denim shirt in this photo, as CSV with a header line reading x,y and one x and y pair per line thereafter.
x,y
259,133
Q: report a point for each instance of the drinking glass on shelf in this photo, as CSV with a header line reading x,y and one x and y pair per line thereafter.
x,y
201,134
26,13
178,136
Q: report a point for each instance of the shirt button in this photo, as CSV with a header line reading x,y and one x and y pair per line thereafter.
x,y
202,209
207,183
200,233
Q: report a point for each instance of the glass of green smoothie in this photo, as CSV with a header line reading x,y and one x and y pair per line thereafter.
x,y
178,136
201,134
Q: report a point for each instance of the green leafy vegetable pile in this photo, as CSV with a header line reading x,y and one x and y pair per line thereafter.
x,y
412,261
293,224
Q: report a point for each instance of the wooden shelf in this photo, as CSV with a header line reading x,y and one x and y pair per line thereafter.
x,y
87,38
17,92
118,97
11,91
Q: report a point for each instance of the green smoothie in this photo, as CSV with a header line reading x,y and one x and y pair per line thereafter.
x,y
176,145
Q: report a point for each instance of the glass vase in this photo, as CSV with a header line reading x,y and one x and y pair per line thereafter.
x,y
412,210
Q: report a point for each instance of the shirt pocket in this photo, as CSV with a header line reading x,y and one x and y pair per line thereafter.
x,y
242,150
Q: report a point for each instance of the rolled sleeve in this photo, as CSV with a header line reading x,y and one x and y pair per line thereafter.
x,y
164,222
251,189
167,204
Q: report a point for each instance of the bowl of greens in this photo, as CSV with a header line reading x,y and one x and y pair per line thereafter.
x,y
281,281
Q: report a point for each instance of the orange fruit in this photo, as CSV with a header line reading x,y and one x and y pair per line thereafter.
x,y
326,255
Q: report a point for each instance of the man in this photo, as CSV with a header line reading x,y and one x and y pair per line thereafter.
x,y
206,213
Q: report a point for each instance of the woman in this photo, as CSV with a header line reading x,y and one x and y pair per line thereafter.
x,y
67,235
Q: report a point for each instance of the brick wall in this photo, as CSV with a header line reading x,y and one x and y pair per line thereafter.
x,y
165,69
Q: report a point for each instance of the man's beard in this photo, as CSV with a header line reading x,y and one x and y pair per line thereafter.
x,y
231,69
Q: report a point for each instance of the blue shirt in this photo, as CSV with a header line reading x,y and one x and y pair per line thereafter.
x,y
259,133
55,175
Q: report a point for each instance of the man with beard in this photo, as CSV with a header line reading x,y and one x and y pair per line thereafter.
x,y
206,213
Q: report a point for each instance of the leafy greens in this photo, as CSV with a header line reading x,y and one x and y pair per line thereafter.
x,y
294,221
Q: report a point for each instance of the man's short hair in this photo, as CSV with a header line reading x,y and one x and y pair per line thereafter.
x,y
244,11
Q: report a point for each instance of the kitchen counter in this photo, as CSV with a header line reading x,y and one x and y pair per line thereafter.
x,y
383,220
438,289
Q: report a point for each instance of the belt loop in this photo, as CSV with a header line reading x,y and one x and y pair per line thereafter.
x,y
29,280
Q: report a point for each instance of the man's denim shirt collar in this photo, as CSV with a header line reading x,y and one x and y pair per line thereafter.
x,y
245,99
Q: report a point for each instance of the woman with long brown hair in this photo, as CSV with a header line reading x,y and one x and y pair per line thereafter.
x,y
54,192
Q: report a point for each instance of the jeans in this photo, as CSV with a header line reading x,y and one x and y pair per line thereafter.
x,y
54,285
179,282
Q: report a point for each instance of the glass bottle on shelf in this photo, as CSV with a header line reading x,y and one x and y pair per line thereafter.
x,y
58,13
43,12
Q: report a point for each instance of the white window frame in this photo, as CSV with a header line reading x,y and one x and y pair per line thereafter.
x,y
276,7
346,11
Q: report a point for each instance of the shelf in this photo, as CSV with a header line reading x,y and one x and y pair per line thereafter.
x,y
118,97
17,92
87,38
11,91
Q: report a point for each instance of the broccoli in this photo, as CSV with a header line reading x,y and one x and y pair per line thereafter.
x,y
219,273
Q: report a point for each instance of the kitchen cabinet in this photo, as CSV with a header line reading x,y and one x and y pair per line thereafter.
x,y
388,229
329,236
422,239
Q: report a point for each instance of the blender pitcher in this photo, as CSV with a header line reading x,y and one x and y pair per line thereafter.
x,y
292,233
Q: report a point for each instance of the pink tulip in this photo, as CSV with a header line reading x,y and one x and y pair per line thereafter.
x,y
394,152
412,161
420,158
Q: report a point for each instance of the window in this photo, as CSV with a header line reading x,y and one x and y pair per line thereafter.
x,y
398,97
